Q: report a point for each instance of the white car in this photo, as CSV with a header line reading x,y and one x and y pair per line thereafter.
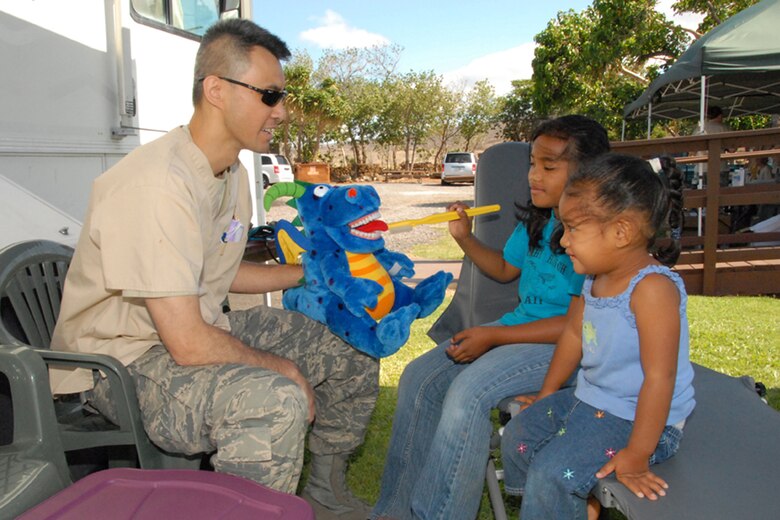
x,y
275,168
458,167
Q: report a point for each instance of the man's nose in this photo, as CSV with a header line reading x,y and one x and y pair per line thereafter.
x,y
280,112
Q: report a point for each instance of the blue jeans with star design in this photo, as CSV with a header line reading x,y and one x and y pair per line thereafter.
x,y
552,450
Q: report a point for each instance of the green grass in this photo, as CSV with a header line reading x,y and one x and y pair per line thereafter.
x,y
443,248
735,335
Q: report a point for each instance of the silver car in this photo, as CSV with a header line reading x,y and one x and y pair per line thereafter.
x,y
458,167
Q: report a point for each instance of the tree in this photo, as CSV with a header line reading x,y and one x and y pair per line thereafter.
x,y
596,61
517,116
444,126
359,74
364,100
413,106
312,109
480,110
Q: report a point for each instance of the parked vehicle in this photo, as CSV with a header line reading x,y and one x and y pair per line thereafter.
x,y
275,168
458,167
86,82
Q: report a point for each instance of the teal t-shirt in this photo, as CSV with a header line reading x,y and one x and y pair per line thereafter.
x,y
547,280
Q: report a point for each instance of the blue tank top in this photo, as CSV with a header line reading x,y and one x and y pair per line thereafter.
x,y
611,374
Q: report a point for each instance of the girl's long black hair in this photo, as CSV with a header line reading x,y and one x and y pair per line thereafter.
x,y
586,139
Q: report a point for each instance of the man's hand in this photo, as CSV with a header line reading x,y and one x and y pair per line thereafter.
x,y
633,471
468,345
290,370
192,342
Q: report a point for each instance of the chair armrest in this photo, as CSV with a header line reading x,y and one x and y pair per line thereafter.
x,y
29,384
122,385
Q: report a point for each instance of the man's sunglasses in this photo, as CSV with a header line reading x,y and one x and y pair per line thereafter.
x,y
267,96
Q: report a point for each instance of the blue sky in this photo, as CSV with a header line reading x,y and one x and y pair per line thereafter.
x,y
462,41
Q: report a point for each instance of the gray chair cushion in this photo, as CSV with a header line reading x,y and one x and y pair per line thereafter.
x,y
728,459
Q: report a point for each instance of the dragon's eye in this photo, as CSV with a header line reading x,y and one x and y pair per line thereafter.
x,y
320,191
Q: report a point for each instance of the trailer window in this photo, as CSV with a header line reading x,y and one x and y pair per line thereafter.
x,y
191,17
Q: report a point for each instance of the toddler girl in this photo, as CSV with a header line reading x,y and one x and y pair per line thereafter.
x,y
628,334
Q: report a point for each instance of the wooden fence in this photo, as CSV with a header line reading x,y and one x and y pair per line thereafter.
x,y
723,261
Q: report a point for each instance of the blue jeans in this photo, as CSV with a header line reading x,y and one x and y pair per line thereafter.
x,y
552,450
440,440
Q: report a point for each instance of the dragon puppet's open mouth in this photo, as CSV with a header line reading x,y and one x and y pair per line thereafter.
x,y
368,227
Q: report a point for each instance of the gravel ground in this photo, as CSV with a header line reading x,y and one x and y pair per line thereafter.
x,y
403,201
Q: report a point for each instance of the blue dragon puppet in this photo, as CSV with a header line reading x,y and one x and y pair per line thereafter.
x,y
352,283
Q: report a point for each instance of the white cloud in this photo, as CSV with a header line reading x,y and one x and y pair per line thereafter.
x,y
500,68
687,20
333,32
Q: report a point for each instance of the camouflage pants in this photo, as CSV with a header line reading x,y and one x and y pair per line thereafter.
x,y
255,419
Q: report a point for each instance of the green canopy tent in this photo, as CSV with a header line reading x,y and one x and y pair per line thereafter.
x,y
736,65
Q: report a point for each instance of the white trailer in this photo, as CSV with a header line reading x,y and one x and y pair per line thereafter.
x,y
83,83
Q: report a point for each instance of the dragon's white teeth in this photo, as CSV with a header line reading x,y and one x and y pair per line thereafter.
x,y
362,221
374,235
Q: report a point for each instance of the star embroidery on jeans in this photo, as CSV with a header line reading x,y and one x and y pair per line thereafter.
x,y
522,448
549,412
600,414
561,432
568,474
609,452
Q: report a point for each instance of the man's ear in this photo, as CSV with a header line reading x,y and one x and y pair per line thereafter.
x,y
213,91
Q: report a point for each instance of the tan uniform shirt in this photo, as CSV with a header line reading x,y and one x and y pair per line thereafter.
x,y
155,227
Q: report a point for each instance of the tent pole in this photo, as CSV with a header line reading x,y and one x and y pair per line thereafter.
x,y
702,110
702,102
649,118
623,131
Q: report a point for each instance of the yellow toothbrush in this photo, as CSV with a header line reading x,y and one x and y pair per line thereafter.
x,y
406,225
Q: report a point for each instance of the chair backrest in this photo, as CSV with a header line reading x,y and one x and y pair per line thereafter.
x,y
32,276
32,465
502,178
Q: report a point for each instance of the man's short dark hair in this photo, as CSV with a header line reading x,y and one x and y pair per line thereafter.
x,y
225,47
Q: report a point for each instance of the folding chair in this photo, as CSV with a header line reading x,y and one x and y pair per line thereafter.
x,y
32,276
502,178
32,462
726,465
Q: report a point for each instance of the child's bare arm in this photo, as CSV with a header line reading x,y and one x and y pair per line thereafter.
x,y
656,303
469,344
568,350
490,261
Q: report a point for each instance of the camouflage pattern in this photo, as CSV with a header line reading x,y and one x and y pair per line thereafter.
x,y
345,381
254,418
